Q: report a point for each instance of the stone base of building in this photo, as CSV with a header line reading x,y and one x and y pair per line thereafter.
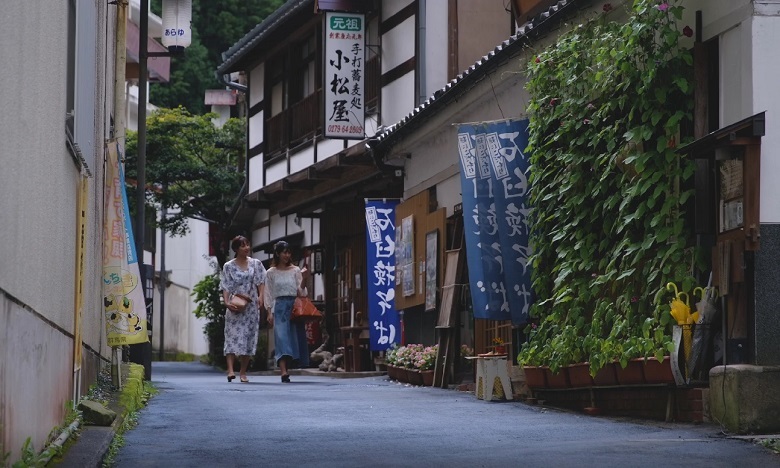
x,y
744,398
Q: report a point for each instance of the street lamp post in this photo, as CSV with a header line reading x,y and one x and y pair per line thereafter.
x,y
177,37
142,353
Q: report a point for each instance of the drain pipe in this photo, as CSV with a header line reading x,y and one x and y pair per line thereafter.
x,y
225,80
421,31
55,446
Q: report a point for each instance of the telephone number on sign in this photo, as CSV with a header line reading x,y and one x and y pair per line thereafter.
x,y
337,128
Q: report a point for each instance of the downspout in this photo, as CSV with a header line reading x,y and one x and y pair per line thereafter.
x,y
421,30
225,80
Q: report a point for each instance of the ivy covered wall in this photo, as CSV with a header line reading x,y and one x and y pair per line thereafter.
x,y
610,103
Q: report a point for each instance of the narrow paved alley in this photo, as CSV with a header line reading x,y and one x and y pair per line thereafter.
x,y
199,419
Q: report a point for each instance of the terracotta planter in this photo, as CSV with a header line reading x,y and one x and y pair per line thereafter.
x,y
605,376
658,372
632,374
500,349
535,377
392,372
559,380
414,377
579,375
400,374
427,376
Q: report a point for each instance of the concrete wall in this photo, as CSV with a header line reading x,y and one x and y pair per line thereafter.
x,y
187,260
38,208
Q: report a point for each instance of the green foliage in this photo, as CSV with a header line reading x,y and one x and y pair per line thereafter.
x,y
209,306
607,104
216,26
193,166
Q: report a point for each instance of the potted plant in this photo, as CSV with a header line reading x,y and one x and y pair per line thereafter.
x,y
391,360
426,360
498,345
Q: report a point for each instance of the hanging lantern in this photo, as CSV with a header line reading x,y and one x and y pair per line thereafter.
x,y
176,20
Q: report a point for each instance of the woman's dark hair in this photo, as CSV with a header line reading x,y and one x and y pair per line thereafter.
x,y
279,247
237,242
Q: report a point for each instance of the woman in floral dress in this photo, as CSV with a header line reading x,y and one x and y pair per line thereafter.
x,y
284,285
242,275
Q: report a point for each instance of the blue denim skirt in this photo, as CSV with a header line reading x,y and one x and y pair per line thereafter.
x,y
285,332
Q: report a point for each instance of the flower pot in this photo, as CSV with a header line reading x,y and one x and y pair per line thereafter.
x,y
534,377
631,374
579,374
427,376
658,372
500,349
392,372
414,377
559,380
606,376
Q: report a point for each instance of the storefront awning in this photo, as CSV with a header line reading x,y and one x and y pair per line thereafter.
x,y
732,135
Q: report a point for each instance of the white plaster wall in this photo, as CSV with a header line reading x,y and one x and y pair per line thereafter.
x,y
39,220
398,44
397,99
736,88
276,171
223,114
436,46
30,350
327,148
256,126
187,260
255,173
256,84
301,159
766,97
391,7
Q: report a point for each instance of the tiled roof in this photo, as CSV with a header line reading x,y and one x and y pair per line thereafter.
x,y
470,77
236,52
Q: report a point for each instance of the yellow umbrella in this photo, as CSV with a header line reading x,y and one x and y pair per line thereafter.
x,y
681,311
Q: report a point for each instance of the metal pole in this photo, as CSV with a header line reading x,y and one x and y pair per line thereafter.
x,y
141,353
163,284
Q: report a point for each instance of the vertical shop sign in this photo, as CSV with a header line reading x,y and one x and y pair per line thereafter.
x,y
383,319
505,142
494,185
344,63
124,305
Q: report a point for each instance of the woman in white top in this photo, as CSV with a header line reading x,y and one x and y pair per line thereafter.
x,y
283,285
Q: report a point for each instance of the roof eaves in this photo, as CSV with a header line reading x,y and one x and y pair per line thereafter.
x,y
244,45
472,75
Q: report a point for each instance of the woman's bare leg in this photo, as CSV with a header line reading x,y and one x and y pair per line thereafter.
x,y
244,360
230,359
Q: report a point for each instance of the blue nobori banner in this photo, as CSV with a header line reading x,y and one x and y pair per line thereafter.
x,y
494,185
383,321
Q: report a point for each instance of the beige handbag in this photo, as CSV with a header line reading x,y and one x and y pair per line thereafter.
x,y
239,301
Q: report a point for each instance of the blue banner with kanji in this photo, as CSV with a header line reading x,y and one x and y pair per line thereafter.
x,y
383,320
494,186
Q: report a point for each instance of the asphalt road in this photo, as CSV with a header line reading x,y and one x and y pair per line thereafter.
x,y
199,419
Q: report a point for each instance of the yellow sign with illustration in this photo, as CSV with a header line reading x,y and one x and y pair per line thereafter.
x,y
124,306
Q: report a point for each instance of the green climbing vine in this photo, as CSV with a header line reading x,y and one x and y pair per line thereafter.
x,y
609,103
